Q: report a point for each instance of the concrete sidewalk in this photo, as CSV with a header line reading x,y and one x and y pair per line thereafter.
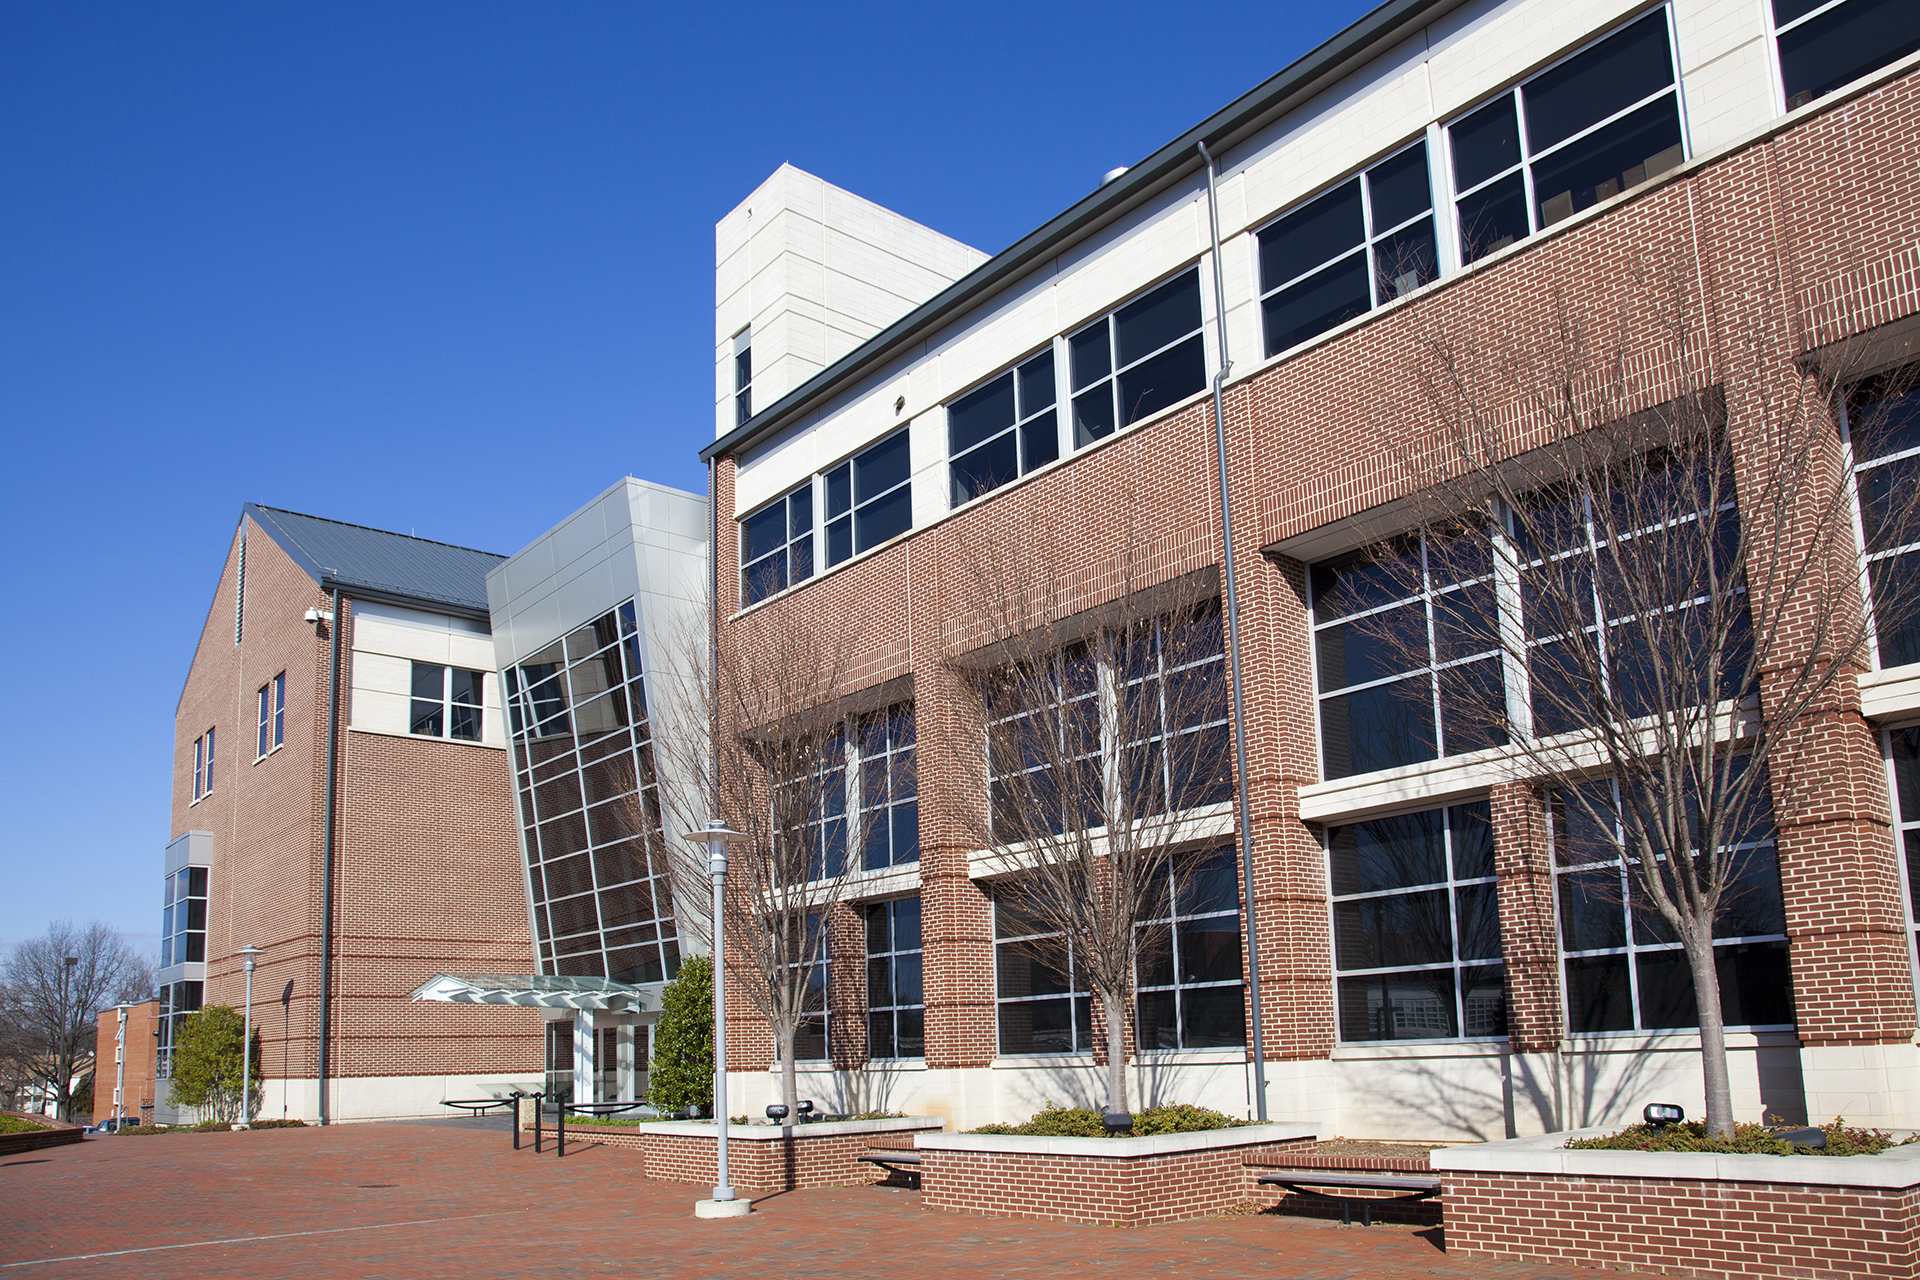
x,y
392,1200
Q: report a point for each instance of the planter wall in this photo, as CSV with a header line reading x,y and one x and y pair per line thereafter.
x,y
761,1159
1113,1181
1800,1216
57,1134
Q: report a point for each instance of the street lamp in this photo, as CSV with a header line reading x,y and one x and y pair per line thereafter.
x,y
247,955
64,1064
119,1066
716,837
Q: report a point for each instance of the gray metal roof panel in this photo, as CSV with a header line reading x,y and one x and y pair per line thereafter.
x,y
375,564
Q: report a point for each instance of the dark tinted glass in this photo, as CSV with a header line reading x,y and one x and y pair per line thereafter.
x,y
880,468
1166,379
1666,990
1752,904
1484,992
1599,995
885,518
467,686
1383,727
1362,580
1884,497
979,414
1323,228
1380,645
1589,87
1492,219
1316,304
1879,424
840,540
1388,853
1213,886
906,924
1478,909
1785,11
1210,950
985,469
1592,917
1398,1006
1398,188
765,530
1166,315
1602,164
1093,415
800,511
1092,358
1484,143
1039,441
1036,384
879,1034
1756,984
1406,260
1906,772
1472,706
839,490
1212,1017
1408,928
1472,840
428,681
1897,578
1846,43
196,882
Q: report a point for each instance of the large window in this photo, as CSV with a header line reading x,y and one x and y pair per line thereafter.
x,y
1403,657
1416,927
888,788
183,917
589,810
203,765
1004,429
1624,969
1138,360
1903,755
1189,982
1603,120
811,1042
896,1005
1882,423
447,702
1042,1006
1358,246
272,698
869,498
178,1000
776,545
1828,43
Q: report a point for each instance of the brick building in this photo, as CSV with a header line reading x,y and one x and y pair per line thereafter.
x,y
1438,167
415,870
124,1057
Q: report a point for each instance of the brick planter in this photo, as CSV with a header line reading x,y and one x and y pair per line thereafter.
x,y
1815,1217
761,1158
56,1134
1112,1181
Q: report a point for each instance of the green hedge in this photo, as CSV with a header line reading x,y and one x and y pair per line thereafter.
x,y
1082,1122
1747,1139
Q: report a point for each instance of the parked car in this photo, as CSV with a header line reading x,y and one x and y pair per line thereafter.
x,y
113,1124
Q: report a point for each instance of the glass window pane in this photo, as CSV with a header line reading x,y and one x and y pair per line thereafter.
x,y
1471,826
976,416
985,469
1473,706
839,540
1212,887
1484,143
1398,1006
1478,911
1210,950
1602,164
1363,580
426,718
880,468
1093,415
1406,260
1037,1026
1383,727
885,518
1493,218
1036,384
1897,578
1213,1018
1158,1026
468,686
1756,984
839,483
1592,913
1388,853
1166,315
1398,188
906,979
1879,424
1883,499
1599,995
1592,85
764,530
1316,304
1167,379
196,881
1845,43
1409,928
1666,990
1484,992
1317,232
799,517
1039,441
1091,356
1031,968
429,681
880,1035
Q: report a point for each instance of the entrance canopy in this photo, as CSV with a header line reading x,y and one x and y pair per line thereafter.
x,y
536,991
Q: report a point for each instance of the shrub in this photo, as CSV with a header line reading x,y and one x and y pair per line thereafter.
x,y
207,1066
13,1124
681,1075
1082,1122
1747,1139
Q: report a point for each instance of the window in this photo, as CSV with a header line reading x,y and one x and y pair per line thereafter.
x,y
178,1000
1135,362
1828,43
1903,758
1624,969
816,789
1606,119
1416,927
776,545
1391,666
810,1043
742,376
240,586
273,714
447,702
1359,246
869,498
589,806
888,788
183,917
1003,430
1189,983
1041,1006
203,766
1882,426
896,1007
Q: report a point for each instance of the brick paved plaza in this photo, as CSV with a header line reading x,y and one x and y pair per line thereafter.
x,y
392,1200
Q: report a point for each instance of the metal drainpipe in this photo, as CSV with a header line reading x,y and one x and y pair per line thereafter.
x,y
1233,645
326,862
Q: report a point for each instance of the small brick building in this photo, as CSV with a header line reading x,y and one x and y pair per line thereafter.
x,y
124,1062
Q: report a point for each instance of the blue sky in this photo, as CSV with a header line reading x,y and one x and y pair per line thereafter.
x,y
437,267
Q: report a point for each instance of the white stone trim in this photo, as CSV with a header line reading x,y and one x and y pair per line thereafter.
x,y
1548,1154
1164,1144
774,1132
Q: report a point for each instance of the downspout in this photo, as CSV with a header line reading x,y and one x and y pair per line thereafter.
x,y
1245,824
326,857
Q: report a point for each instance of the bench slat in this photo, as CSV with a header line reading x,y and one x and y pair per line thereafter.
x,y
1329,1178
891,1157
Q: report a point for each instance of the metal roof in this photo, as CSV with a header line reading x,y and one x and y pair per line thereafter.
x,y
1291,87
535,991
372,564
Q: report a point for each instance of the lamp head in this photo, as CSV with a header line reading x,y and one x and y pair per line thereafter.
x,y
1662,1114
777,1111
248,953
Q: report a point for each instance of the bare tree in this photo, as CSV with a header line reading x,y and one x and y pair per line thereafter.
x,y
54,988
764,742
1107,752
1632,570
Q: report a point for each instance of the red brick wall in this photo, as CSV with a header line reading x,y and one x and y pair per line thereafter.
x,y
1649,1224
758,1167
137,1096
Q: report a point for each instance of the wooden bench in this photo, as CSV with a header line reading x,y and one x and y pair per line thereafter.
x,y
907,1162
1302,1182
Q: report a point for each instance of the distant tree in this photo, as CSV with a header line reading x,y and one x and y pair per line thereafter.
x,y
50,1008
681,1074
206,1064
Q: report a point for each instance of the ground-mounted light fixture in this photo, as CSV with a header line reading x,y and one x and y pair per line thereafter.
x,y
1662,1114
1116,1122
777,1111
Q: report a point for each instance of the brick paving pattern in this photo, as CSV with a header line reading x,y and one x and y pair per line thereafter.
x,y
375,1201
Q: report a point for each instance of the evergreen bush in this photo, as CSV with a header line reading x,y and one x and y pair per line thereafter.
x,y
206,1064
681,1075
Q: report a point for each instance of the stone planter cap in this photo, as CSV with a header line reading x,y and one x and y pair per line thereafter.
x,y
1547,1154
774,1132
1118,1148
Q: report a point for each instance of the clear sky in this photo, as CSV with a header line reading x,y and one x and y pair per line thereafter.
x,y
443,268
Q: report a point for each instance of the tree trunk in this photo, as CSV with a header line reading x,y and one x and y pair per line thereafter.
x,y
789,1073
1713,1031
1116,1052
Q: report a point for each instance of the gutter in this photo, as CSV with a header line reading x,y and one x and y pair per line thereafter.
x,y
1286,90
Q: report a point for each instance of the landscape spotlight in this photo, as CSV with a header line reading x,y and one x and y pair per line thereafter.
x,y
1661,1114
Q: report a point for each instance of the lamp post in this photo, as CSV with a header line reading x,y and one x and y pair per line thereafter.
x,y
63,1063
716,837
247,955
119,1066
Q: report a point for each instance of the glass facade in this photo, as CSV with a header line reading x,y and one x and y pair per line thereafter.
x,y
177,1000
589,806
896,1004
1188,980
183,917
1882,423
